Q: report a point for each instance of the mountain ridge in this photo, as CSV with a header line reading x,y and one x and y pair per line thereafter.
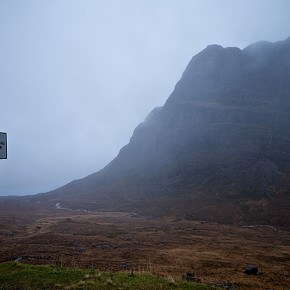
x,y
221,140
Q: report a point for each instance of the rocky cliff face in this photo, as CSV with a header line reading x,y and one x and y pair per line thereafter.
x,y
223,133
229,111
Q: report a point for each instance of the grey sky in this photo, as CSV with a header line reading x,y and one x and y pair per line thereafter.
x,y
76,77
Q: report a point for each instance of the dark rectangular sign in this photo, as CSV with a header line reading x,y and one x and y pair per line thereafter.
x,y
3,145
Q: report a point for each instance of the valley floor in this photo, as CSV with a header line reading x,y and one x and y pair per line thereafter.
x,y
114,241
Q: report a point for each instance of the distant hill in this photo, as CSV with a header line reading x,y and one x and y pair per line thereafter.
x,y
219,148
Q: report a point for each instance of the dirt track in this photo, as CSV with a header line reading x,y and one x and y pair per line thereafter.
x,y
217,254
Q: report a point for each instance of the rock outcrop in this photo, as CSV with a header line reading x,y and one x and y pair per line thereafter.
x,y
221,139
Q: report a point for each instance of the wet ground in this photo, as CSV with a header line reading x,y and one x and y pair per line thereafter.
x,y
115,241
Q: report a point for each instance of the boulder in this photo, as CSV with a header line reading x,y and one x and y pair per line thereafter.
x,y
190,277
251,270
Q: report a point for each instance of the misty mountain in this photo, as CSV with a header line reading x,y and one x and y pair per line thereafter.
x,y
219,148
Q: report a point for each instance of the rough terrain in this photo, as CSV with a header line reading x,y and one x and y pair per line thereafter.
x,y
115,241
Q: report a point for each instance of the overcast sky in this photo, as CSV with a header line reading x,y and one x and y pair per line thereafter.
x,y
77,76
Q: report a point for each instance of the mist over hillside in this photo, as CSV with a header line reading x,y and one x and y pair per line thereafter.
x,y
221,141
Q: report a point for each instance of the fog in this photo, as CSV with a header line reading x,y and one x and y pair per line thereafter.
x,y
76,77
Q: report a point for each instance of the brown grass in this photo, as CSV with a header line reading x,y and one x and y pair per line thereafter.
x,y
115,241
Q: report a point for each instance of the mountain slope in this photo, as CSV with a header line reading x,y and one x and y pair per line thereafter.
x,y
218,149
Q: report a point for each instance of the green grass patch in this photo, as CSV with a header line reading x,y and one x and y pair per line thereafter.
x,y
20,276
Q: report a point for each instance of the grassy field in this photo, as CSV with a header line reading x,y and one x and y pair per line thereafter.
x,y
115,242
15,275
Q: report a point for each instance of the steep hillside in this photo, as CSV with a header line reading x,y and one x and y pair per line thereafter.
x,y
219,148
